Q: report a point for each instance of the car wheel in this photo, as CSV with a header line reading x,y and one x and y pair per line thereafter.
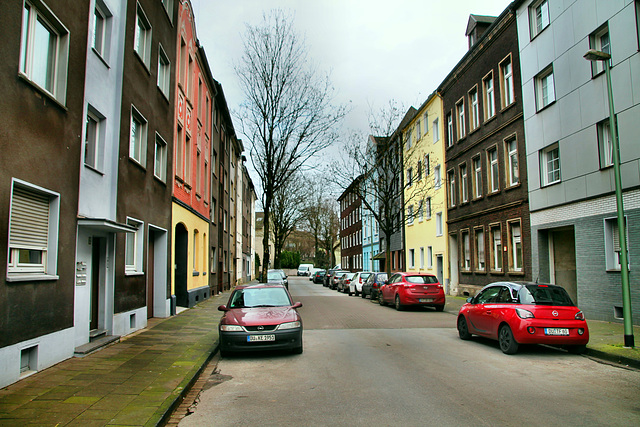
x,y
398,305
357,293
380,300
463,329
363,295
439,307
350,293
508,343
576,349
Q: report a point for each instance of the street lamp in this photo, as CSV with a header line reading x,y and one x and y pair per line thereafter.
x,y
595,55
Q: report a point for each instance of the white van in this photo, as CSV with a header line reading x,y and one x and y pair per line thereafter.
x,y
304,269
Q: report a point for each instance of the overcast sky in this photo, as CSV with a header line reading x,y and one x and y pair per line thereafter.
x,y
375,50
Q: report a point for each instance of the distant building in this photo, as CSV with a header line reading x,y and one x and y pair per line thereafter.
x,y
351,228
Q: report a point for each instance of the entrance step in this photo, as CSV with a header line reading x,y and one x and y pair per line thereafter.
x,y
96,333
95,344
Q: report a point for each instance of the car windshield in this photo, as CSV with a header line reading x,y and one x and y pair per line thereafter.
x,y
421,279
544,295
259,297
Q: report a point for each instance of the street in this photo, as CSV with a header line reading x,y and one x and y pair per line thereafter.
x,y
369,365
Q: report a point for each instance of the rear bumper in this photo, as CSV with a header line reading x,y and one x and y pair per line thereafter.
x,y
414,299
522,335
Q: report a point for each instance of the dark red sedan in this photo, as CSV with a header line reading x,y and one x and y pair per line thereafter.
x,y
517,313
260,317
404,289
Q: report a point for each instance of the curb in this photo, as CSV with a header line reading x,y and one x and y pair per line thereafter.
x,y
612,358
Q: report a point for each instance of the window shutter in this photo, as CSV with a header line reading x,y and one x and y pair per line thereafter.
x,y
29,220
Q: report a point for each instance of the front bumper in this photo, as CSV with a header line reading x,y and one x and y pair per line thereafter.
x,y
238,341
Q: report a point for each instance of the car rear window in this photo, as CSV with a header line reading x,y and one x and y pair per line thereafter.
x,y
381,277
259,297
421,279
544,295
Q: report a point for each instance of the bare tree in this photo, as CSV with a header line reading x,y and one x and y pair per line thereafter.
x,y
288,115
288,209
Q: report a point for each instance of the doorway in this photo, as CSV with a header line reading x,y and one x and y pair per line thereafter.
x,y
181,260
562,260
97,266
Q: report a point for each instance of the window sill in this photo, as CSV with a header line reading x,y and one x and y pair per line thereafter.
x,y
195,273
506,107
497,272
104,61
516,273
545,107
93,169
16,277
42,90
490,119
133,273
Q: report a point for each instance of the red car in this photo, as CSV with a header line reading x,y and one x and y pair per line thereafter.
x,y
260,317
517,313
404,289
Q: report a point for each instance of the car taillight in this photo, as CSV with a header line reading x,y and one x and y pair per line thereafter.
x,y
524,314
347,281
580,315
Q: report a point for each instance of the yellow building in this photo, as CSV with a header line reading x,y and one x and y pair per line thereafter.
x,y
426,237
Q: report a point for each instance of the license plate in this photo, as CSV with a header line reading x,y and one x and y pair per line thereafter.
x,y
425,300
256,338
556,331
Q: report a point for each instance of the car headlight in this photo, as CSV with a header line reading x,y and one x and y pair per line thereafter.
x,y
289,325
231,328
524,314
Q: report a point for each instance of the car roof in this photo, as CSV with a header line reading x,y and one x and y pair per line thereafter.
x,y
517,285
259,285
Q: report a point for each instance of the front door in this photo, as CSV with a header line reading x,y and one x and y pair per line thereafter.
x,y
181,260
563,249
96,245
150,274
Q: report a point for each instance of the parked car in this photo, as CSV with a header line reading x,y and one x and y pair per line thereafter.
x,y
345,282
335,278
517,313
260,317
357,282
319,276
373,285
328,276
404,289
277,277
304,269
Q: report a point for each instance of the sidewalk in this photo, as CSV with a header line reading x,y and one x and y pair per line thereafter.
x,y
139,381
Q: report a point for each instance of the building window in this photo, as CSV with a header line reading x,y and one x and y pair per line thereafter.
x,y
168,7
164,71
101,30
506,82
464,183
605,144
439,228
160,164
466,248
419,171
451,178
479,249
489,96
408,139
410,215
429,257
427,207
187,159
427,170
179,159
545,91
474,110
437,178
133,247
409,177
33,232
638,21
421,258
44,50
421,211
412,258
599,40
142,37
460,125
138,137
550,165
496,248
477,177
449,130
493,175
418,130
612,243
436,130
511,155
538,17
426,123
94,139
515,240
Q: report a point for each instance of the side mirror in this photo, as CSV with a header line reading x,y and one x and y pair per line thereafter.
x,y
470,300
223,308
297,305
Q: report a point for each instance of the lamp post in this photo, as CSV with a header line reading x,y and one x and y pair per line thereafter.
x,y
595,55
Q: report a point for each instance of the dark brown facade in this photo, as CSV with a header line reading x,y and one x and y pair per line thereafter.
x,y
487,195
351,229
143,200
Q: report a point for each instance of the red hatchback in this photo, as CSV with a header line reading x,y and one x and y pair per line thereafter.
x,y
260,317
517,313
412,289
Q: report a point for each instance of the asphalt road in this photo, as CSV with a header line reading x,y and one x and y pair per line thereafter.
x,y
373,366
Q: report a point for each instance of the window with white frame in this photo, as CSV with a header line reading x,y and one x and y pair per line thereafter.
x,y
168,7
477,177
419,171
33,232
493,175
418,130
488,95
437,177
427,207
138,137
449,130
160,163
545,90
410,215
164,72
460,123
496,248
538,17
412,258
511,156
421,211
409,177
605,144
506,82
515,253
426,123
466,250
479,249
44,50
474,109
612,243
134,247
435,129
142,37
451,178
464,183
408,139
550,165
429,257
439,224
427,167
599,40
101,36
422,258
94,139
